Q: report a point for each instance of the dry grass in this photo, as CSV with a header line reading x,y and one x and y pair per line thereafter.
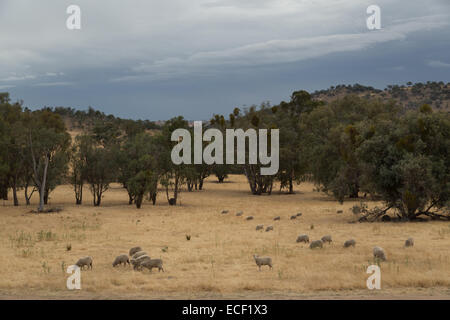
x,y
36,249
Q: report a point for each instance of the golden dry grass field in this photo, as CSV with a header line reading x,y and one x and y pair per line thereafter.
x,y
217,261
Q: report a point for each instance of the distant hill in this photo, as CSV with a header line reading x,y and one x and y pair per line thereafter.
x,y
411,96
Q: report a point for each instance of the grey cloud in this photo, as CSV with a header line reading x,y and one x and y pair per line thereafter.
x,y
279,51
53,84
438,64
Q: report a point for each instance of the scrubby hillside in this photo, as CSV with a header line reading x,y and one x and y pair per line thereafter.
x,y
411,96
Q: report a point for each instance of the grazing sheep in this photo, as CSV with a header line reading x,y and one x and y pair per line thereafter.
x,y
303,238
378,253
249,218
299,214
259,227
409,242
316,244
224,211
240,213
134,250
349,243
326,238
269,228
262,261
86,261
339,211
277,218
293,217
123,258
138,254
153,263
137,262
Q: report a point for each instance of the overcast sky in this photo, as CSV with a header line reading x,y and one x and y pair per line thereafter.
x,y
159,59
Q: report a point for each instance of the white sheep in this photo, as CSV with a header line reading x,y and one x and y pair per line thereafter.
x,y
409,242
138,254
378,253
123,258
316,244
153,263
134,250
349,243
303,238
263,261
86,261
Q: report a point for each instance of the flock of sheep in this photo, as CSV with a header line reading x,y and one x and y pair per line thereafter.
x,y
378,252
139,259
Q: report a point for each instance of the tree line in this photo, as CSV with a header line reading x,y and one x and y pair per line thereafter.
x,y
350,147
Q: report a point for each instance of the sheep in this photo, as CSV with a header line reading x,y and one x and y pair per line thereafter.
x,y
138,254
153,263
378,253
409,242
316,244
293,217
224,211
240,213
263,261
134,250
259,227
269,228
249,218
326,238
303,238
137,262
123,258
349,243
86,261
277,218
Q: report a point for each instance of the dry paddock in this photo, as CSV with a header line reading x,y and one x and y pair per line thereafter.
x,y
217,261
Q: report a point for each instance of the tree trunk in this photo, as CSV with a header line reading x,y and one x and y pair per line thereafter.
x,y
78,193
28,197
14,190
138,200
291,186
46,196
130,198
16,201
153,197
97,190
175,192
42,190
